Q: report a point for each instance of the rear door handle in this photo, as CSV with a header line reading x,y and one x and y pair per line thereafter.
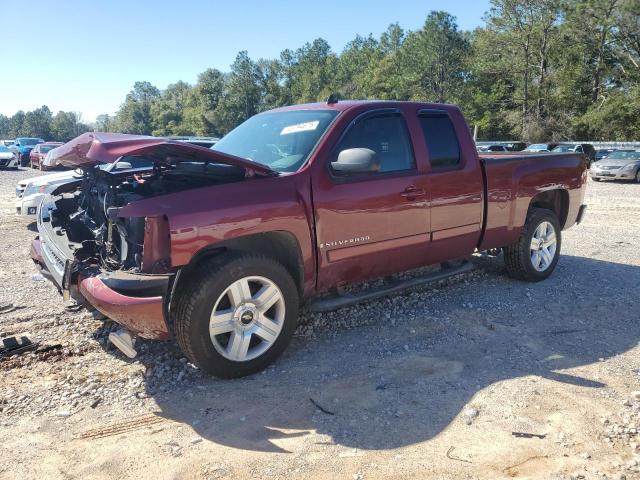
x,y
412,192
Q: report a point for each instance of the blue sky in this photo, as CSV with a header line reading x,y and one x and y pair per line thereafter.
x,y
84,56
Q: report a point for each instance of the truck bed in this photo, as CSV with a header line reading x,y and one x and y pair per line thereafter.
x,y
512,179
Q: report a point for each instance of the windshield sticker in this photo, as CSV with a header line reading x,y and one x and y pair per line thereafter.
x,y
300,127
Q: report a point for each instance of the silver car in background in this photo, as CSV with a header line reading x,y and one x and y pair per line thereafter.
x,y
619,165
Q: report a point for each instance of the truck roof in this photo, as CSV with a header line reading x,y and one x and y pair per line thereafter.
x,y
343,105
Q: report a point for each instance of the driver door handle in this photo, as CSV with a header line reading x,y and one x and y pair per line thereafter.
x,y
412,192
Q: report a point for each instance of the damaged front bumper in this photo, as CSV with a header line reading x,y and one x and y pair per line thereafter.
x,y
133,300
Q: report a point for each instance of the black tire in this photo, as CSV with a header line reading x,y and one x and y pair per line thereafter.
x,y
596,179
638,176
517,257
197,297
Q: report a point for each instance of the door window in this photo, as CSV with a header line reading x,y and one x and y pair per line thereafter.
x,y
387,136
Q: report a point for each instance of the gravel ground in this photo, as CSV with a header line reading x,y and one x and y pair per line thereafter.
x,y
433,383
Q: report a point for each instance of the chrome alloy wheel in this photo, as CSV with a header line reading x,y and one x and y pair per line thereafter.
x,y
543,246
247,318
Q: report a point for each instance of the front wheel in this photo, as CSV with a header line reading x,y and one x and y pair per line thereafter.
x,y
638,176
236,316
535,255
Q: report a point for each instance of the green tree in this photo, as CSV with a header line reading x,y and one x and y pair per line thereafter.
x,y
242,95
37,123
5,126
134,115
67,125
202,101
355,64
384,78
17,125
628,38
314,74
616,119
168,111
434,59
103,123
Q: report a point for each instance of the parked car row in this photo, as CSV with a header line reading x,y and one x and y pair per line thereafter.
x,y
585,149
37,153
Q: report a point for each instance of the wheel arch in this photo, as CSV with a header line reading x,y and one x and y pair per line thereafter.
x,y
556,200
279,245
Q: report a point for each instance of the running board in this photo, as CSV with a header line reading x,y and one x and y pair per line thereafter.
x,y
344,300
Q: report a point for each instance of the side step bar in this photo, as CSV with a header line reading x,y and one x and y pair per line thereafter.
x,y
339,301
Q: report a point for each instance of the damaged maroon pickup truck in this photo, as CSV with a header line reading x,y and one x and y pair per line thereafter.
x,y
220,247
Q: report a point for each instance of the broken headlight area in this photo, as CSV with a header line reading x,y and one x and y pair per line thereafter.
x,y
84,219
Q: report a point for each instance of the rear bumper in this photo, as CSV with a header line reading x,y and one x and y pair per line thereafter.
x,y
135,301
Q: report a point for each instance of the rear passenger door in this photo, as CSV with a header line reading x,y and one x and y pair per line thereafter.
x,y
455,184
370,225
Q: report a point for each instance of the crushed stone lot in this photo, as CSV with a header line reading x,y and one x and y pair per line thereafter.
x,y
478,376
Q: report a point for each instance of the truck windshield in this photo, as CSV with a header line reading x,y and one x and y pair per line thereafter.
x,y
281,141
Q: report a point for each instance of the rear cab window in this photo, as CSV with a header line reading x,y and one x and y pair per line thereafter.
x,y
441,140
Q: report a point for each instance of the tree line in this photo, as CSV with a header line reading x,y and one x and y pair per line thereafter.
x,y
537,70
41,123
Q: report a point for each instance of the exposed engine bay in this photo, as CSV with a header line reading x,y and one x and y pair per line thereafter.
x,y
83,218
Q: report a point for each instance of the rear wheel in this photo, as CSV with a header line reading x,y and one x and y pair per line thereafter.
x,y
535,255
638,176
236,316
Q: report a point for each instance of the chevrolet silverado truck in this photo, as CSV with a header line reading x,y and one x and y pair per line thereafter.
x,y
219,248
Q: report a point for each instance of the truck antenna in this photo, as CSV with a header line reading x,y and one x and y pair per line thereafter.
x,y
333,98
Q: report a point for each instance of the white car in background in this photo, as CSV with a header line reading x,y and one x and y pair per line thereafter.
x,y
30,192
7,158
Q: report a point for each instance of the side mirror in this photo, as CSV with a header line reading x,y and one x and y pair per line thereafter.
x,y
356,160
123,166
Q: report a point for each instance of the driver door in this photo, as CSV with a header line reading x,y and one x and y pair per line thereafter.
x,y
371,224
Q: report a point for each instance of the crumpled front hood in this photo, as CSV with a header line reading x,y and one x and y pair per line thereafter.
x,y
614,163
92,148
